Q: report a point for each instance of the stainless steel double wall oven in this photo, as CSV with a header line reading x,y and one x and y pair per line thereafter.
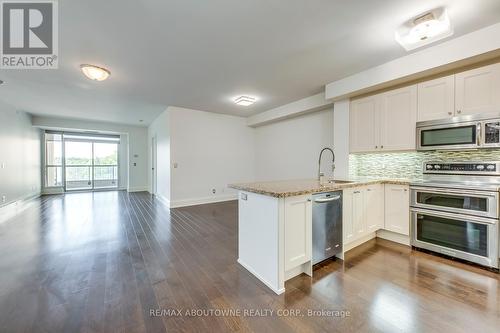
x,y
455,210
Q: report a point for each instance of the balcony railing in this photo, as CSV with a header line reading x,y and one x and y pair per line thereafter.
x,y
84,177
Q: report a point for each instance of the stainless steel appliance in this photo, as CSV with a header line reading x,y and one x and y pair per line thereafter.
x,y
455,210
327,225
465,132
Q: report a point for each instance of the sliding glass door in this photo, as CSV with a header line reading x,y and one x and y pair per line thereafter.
x,y
78,165
90,165
105,165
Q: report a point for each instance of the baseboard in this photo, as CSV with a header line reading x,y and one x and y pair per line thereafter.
x,y
138,189
358,242
202,201
270,286
52,190
163,200
392,236
12,209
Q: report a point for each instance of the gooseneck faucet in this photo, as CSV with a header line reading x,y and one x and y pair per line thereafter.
x,y
319,161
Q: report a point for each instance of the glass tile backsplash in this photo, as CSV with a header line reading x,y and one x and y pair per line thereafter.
x,y
409,164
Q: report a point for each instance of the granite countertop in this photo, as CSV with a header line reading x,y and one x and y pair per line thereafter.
x,y
290,188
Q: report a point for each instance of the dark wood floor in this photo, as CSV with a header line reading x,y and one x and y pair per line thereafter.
x,y
101,262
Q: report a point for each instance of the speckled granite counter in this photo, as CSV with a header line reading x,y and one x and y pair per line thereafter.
x,y
290,188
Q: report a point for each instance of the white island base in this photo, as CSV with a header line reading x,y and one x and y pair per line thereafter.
x,y
267,249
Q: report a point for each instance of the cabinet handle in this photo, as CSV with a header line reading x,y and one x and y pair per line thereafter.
x,y
382,147
459,111
309,200
376,147
355,192
450,113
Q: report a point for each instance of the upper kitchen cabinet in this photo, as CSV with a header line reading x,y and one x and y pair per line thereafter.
x,y
384,122
398,117
364,128
478,90
436,99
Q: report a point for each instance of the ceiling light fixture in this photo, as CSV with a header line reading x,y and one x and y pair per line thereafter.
x,y
424,29
95,72
245,100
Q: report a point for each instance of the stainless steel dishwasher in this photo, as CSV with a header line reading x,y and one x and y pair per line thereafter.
x,y
327,225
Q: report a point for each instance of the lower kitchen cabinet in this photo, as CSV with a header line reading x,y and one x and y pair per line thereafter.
x,y
397,214
369,208
298,230
374,206
363,211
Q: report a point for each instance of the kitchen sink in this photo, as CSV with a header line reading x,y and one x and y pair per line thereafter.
x,y
339,182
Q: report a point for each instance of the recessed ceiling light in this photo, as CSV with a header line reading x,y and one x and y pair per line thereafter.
x,y
424,29
245,100
95,72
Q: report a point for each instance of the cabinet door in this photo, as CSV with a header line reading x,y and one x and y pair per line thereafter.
x,y
397,208
436,99
358,212
364,125
374,207
398,118
478,90
298,230
347,218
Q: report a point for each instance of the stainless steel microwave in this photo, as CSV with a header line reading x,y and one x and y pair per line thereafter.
x,y
458,133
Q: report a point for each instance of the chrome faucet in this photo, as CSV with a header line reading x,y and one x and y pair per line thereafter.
x,y
319,161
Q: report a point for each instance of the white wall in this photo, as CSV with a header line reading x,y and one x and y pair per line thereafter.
x,y
134,148
19,156
210,150
160,131
289,149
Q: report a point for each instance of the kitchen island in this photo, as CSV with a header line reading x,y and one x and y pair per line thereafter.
x,y
275,225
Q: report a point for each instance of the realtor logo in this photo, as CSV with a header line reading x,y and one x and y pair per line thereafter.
x,y
29,34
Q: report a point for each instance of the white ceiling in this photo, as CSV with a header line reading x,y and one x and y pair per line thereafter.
x,y
200,54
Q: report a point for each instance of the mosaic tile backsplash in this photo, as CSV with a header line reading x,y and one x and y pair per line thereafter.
x,y
409,164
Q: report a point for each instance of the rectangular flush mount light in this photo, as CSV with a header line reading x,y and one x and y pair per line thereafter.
x,y
424,29
245,100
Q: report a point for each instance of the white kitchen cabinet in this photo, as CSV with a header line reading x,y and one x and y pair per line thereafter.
x,y
364,124
353,214
298,230
436,99
384,122
398,117
478,90
363,211
358,212
397,203
347,217
374,207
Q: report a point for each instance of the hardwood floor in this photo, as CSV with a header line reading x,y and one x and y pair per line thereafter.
x,y
105,261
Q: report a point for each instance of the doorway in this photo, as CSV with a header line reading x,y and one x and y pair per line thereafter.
x,y
153,165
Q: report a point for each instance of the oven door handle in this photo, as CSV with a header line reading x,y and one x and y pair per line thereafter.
x,y
485,194
459,217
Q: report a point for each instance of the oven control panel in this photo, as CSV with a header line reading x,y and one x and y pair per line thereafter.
x,y
471,168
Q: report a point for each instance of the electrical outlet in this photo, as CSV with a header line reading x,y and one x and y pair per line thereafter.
x,y
4,198
214,191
